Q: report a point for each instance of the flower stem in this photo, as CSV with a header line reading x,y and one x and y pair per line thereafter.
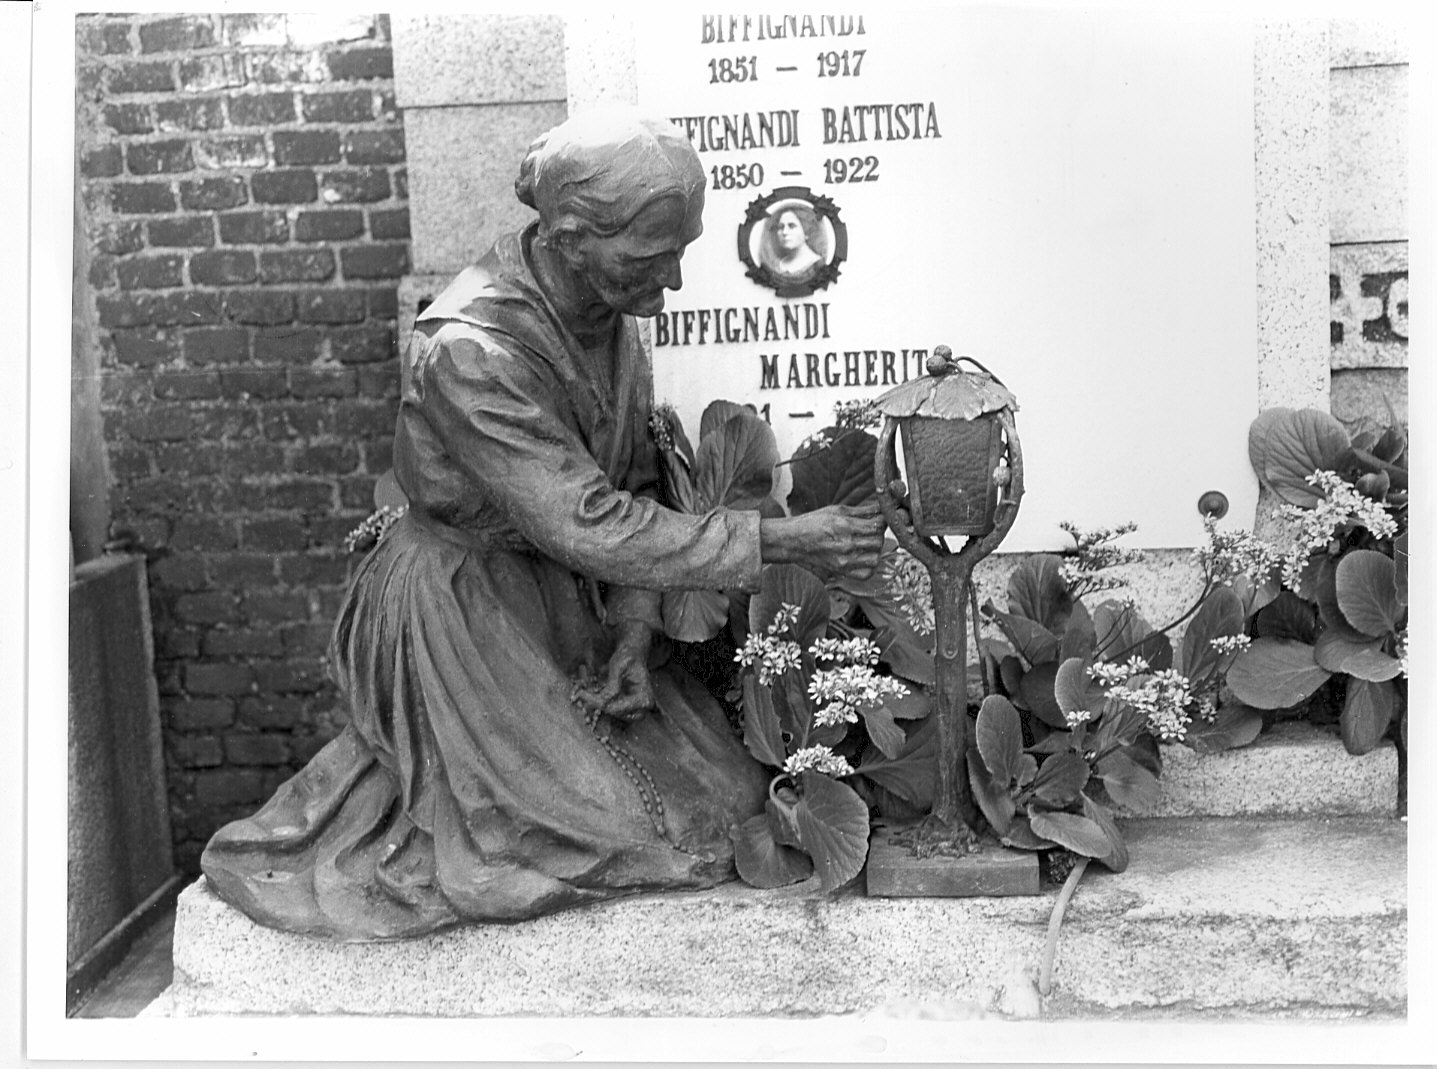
x,y
1045,979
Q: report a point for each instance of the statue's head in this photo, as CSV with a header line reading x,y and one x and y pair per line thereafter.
x,y
619,195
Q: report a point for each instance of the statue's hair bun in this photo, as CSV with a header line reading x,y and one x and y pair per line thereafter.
x,y
524,184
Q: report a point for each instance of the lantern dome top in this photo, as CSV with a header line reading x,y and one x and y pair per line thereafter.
x,y
948,393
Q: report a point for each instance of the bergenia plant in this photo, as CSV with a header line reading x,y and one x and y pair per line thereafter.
x,y
817,710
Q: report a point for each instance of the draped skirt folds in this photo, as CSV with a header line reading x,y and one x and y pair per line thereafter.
x,y
467,785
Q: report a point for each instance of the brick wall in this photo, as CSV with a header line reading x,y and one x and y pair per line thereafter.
x,y
244,197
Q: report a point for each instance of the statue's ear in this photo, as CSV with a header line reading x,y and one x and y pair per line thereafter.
x,y
566,242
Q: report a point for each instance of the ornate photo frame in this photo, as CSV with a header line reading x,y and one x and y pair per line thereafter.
x,y
796,226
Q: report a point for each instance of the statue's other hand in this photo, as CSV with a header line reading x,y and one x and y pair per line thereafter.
x,y
629,692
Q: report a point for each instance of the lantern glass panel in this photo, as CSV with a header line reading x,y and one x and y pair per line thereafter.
x,y
950,465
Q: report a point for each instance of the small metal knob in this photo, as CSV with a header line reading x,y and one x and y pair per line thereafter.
x,y
1213,504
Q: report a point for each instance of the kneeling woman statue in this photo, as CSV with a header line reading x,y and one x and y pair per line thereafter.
x,y
476,780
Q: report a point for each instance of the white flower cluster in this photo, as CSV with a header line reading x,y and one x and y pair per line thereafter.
x,y
1163,697
1078,716
771,655
1342,505
856,414
1110,674
1084,571
817,759
1229,554
912,588
1230,643
375,526
842,693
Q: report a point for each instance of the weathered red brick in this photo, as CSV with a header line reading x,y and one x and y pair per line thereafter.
x,y
109,39
284,187
258,382
243,643
119,237
220,345
102,273
273,710
262,308
229,786
336,225
211,194
189,459
208,607
244,571
223,267
151,272
388,224
198,714
290,345
227,153
291,493
362,344
322,382
103,162
296,265
306,147
364,419
331,306
144,348
379,452
362,185
374,146
261,109
176,35
324,458
206,73
159,157
151,77
204,113
290,677
254,30
195,751
357,491
358,64
128,461
266,227
384,303
205,533
188,384
136,198
280,68
379,380
126,388
375,261
255,749
192,231
275,533
315,569
219,677
353,105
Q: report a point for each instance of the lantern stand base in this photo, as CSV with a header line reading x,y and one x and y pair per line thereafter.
x,y
896,871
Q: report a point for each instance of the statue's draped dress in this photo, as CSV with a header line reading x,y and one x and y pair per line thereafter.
x,y
468,786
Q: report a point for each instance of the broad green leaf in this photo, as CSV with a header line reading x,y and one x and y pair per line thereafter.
x,y
734,465
1118,628
1366,714
1157,650
994,800
762,732
1080,637
1036,591
1000,738
833,827
1117,857
1037,692
1082,835
1145,751
788,584
1275,673
1034,642
694,615
904,650
764,863
837,470
1367,592
1324,591
1129,783
1010,672
1365,659
1288,617
886,735
1220,615
1287,445
912,773
1073,689
718,413
1234,725
1020,836
1060,780
915,705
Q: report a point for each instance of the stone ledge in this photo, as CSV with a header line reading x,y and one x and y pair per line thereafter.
x,y
1294,769
1213,918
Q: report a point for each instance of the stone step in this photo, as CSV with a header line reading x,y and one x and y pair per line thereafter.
x,y
1292,769
1252,918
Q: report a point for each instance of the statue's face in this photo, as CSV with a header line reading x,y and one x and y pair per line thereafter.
x,y
789,232
630,270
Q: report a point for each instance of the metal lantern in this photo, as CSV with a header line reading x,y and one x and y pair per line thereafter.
x,y
953,445
964,469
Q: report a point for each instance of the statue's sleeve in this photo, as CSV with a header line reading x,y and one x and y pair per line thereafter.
x,y
497,417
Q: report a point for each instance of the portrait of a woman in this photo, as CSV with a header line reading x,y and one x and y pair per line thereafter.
x,y
792,241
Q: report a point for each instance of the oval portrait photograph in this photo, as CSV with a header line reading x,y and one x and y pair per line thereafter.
x,y
792,241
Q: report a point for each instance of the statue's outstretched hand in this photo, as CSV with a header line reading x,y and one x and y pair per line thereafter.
x,y
834,540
